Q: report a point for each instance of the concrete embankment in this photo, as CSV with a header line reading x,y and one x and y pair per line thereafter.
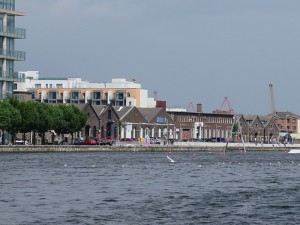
x,y
178,146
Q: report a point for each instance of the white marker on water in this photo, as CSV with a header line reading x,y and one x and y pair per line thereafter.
x,y
171,160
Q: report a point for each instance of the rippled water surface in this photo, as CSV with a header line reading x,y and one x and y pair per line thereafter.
x,y
147,188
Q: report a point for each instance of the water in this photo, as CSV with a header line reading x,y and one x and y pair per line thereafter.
x,y
147,188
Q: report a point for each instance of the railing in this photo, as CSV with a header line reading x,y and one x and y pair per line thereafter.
x,y
13,55
10,76
13,32
6,5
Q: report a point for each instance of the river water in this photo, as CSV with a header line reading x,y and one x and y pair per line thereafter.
x,y
147,188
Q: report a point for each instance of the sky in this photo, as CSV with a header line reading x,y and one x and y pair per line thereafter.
x,y
188,51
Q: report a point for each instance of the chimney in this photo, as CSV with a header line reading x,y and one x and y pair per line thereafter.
x,y
199,107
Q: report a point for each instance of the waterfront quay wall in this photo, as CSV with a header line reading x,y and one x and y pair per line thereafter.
x,y
178,146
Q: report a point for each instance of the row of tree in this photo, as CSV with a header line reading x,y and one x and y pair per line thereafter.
x,y
28,116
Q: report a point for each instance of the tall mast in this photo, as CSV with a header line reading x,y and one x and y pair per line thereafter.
x,y
272,99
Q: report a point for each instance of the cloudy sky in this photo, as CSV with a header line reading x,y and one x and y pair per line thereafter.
x,y
187,50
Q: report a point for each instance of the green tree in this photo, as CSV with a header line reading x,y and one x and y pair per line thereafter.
x,y
46,119
73,120
10,119
30,118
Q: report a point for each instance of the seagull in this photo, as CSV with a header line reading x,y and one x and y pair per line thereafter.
x,y
171,160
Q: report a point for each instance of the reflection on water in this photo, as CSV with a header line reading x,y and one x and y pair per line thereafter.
x,y
148,188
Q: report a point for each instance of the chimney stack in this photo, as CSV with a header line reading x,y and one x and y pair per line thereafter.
x,y
199,107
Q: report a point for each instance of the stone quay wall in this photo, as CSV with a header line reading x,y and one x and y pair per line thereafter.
x,y
179,146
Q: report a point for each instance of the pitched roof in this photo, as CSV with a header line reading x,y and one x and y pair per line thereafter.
x,y
122,111
99,109
149,113
265,119
81,106
286,115
249,117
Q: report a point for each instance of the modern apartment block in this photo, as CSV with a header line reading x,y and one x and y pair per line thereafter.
x,y
8,54
118,92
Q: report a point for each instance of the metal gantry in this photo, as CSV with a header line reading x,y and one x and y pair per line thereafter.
x,y
235,131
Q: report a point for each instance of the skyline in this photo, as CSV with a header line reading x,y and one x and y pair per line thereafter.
x,y
217,48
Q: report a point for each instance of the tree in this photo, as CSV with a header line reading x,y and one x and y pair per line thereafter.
x,y
10,119
73,120
30,118
46,119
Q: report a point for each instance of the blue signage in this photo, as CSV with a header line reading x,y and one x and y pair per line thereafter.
x,y
161,120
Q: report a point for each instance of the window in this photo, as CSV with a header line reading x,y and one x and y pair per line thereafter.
x,y
74,98
52,96
97,95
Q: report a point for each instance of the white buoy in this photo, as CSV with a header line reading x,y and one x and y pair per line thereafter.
x,y
171,160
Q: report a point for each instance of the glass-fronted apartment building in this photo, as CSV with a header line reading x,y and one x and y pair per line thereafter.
x,y
8,54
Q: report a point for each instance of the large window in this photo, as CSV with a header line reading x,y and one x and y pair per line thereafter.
x,y
52,96
120,98
96,98
7,4
75,95
10,23
10,67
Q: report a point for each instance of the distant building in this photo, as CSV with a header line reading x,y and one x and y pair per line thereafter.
x,y
259,128
119,122
287,121
199,125
118,92
8,54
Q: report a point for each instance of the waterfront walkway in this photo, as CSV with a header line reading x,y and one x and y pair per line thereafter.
x,y
177,146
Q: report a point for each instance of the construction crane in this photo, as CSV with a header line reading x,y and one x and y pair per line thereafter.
x,y
155,95
272,99
190,107
225,107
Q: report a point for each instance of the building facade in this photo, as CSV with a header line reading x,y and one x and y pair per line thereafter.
x,y
201,126
287,121
118,92
8,54
128,122
259,129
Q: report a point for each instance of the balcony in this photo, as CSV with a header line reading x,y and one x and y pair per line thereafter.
x,y
10,76
19,33
12,55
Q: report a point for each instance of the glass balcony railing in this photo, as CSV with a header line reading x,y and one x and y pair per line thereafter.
x,y
13,55
7,5
11,76
12,32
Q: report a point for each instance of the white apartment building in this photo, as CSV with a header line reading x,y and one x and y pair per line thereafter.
x,y
118,92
